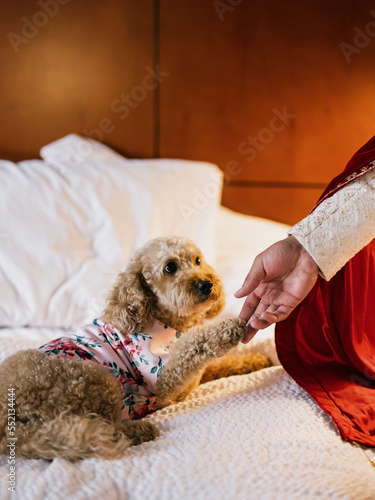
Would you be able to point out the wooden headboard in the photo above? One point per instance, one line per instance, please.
(278, 94)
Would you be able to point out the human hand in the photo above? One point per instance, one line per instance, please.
(279, 279)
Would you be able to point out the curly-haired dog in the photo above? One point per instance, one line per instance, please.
(72, 409)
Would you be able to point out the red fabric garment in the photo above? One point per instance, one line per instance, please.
(327, 344)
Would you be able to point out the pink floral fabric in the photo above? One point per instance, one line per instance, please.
(135, 360)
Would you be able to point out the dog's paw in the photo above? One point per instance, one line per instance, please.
(225, 335)
(234, 330)
(139, 431)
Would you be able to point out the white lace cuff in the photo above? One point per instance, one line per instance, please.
(340, 226)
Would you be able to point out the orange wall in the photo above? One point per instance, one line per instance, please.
(278, 94)
(264, 89)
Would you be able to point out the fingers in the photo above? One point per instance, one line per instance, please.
(252, 312)
(260, 314)
(267, 313)
(250, 334)
(255, 306)
(252, 280)
(265, 316)
(257, 323)
(249, 307)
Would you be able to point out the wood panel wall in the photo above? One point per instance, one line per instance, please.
(264, 89)
(83, 66)
(278, 94)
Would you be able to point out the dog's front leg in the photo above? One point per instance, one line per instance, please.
(193, 352)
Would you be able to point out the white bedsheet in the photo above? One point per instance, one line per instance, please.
(257, 436)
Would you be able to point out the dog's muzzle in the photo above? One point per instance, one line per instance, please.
(205, 287)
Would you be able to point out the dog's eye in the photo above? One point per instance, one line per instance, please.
(170, 268)
(198, 261)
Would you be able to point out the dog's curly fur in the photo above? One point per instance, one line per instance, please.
(70, 409)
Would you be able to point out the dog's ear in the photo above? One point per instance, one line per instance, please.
(130, 302)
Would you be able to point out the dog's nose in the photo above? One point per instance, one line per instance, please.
(205, 287)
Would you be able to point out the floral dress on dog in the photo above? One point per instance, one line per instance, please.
(134, 359)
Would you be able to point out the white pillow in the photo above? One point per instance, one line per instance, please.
(72, 221)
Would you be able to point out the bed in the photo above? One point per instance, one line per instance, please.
(69, 222)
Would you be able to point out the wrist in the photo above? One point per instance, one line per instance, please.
(308, 260)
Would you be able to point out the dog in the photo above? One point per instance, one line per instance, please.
(84, 395)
